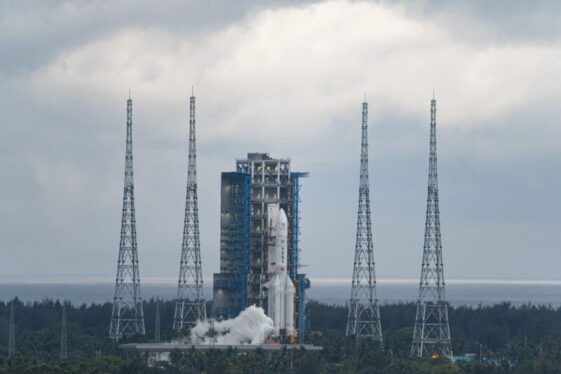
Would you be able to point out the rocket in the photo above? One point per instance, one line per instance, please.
(280, 287)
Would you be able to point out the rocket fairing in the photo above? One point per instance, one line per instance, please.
(280, 287)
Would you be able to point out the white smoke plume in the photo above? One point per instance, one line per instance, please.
(251, 326)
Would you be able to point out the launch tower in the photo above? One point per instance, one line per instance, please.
(431, 336)
(364, 315)
(259, 181)
(127, 317)
(190, 303)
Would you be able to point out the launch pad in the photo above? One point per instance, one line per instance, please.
(183, 347)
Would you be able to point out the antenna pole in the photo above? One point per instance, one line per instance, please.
(157, 323)
(431, 335)
(63, 337)
(127, 317)
(12, 332)
(190, 304)
(364, 315)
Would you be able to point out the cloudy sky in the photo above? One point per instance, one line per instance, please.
(288, 78)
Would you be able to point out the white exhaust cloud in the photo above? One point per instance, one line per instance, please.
(251, 326)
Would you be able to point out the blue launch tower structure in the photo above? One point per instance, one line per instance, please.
(258, 181)
(230, 285)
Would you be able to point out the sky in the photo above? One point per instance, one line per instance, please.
(286, 78)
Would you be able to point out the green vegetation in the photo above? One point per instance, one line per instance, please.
(523, 339)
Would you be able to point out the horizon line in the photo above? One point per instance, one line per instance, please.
(93, 280)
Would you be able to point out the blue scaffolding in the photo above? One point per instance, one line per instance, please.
(232, 284)
(244, 214)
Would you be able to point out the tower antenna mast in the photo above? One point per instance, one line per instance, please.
(431, 335)
(127, 317)
(190, 303)
(364, 315)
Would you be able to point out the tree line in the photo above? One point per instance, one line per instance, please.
(521, 339)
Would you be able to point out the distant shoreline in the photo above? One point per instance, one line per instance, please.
(331, 291)
(48, 280)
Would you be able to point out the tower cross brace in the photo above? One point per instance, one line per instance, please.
(431, 334)
(190, 303)
(127, 317)
(364, 315)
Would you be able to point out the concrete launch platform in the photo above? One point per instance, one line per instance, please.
(171, 347)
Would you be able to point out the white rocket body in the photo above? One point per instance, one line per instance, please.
(280, 287)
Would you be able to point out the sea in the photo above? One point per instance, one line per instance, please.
(469, 292)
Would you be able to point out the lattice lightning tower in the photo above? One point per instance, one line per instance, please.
(431, 336)
(364, 315)
(190, 304)
(127, 317)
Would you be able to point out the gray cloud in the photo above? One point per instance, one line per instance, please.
(287, 78)
(32, 33)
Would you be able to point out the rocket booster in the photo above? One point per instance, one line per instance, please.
(280, 287)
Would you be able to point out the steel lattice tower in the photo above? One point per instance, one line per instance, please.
(431, 336)
(12, 332)
(63, 345)
(127, 317)
(364, 315)
(190, 304)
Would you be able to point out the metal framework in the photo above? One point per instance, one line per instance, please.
(230, 285)
(364, 315)
(190, 303)
(269, 185)
(12, 332)
(241, 204)
(63, 340)
(431, 336)
(259, 180)
(300, 281)
(127, 317)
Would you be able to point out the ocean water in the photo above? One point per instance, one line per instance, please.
(333, 291)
